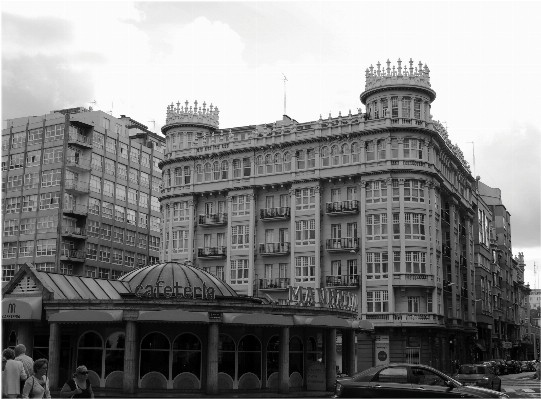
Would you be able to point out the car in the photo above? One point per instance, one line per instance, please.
(405, 380)
(480, 375)
(502, 366)
(525, 366)
(512, 366)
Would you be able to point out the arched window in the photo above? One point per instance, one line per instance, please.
(287, 161)
(114, 353)
(178, 176)
(335, 155)
(154, 355)
(208, 172)
(12, 343)
(199, 173)
(225, 170)
(314, 348)
(273, 355)
(187, 355)
(382, 146)
(90, 351)
(268, 163)
(325, 156)
(259, 163)
(355, 152)
(187, 175)
(278, 162)
(345, 154)
(296, 356)
(249, 356)
(216, 171)
(226, 355)
(370, 152)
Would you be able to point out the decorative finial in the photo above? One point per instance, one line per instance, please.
(411, 66)
(388, 67)
(379, 69)
(371, 70)
(366, 73)
(339, 114)
(195, 106)
(399, 67)
(186, 105)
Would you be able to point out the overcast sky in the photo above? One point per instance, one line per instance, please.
(136, 58)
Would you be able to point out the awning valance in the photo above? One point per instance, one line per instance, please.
(87, 316)
(257, 319)
(21, 308)
(361, 325)
(174, 315)
(321, 321)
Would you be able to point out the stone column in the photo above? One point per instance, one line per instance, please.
(318, 190)
(251, 258)
(191, 230)
(227, 268)
(170, 229)
(350, 354)
(212, 359)
(25, 336)
(390, 281)
(330, 358)
(362, 243)
(54, 354)
(292, 235)
(131, 361)
(283, 359)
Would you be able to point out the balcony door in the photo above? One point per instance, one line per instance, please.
(269, 202)
(352, 193)
(335, 195)
(207, 238)
(283, 235)
(209, 207)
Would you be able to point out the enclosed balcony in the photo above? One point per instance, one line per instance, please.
(344, 281)
(275, 248)
(75, 209)
(278, 283)
(76, 187)
(213, 219)
(445, 216)
(74, 232)
(270, 214)
(342, 207)
(74, 255)
(79, 139)
(78, 164)
(446, 251)
(413, 280)
(212, 253)
(342, 244)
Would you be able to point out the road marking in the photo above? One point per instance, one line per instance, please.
(528, 390)
(508, 390)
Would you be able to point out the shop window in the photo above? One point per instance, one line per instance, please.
(90, 351)
(296, 356)
(114, 353)
(249, 357)
(314, 348)
(187, 355)
(226, 355)
(273, 355)
(12, 340)
(154, 355)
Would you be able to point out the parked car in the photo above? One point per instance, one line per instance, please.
(525, 366)
(403, 380)
(479, 375)
(512, 366)
(494, 365)
(502, 366)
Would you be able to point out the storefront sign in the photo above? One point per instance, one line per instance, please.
(215, 316)
(382, 350)
(507, 345)
(21, 309)
(175, 291)
(323, 297)
(315, 377)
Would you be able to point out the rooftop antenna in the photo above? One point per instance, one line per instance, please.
(111, 112)
(153, 124)
(92, 102)
(473, 146)
(285, 80)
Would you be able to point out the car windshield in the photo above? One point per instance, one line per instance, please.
(472, 370)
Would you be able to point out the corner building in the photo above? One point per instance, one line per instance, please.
(376, 203)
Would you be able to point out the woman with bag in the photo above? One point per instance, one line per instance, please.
(79, 386)
(37, 386)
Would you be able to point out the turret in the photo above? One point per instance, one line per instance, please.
(191, 116)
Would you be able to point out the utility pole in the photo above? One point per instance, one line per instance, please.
(285, 80)
(153, 124)
(473, 146)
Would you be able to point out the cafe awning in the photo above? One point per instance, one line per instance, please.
(321, 321)
(174, 316)
(262, 319)
(21, 308)
(87, 316)
(361, 325)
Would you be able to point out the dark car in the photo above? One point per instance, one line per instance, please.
(481, 375)
(502, 366)
(403, 380)
(512, 366)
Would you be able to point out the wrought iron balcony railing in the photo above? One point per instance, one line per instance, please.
(275, 248)
(342, 281)
(74, 254)
(272, 283)
(342, 244)
(342, 207)
(212, 252)
(213, 219)
(282, 213)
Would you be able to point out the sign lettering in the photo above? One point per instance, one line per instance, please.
(175, 291)
(323, 297)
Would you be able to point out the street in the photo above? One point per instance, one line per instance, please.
(521, 385)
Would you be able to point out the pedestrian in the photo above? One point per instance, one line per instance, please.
(12, 375)
(537, 370)
(27, 361)
(37, 386)
(78, 386)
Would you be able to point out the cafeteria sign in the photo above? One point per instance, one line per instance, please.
(175, 291)
(322, 297)
(16, 310)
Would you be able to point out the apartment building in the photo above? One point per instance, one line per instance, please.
(377, 203)
(80, 194)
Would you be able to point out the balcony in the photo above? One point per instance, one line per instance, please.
(413, 280)
(342, 244)
(75, 232)
(77, 164)
(342, 207)
(351, 281)
(446, 251)
(76, 209)
(401, 319)
(275, 248)
(76, 187)
(212, 253)
(80, 140)
(447, 286)
(213, 219)
(74, 255)
(282, 213)
(280, 283)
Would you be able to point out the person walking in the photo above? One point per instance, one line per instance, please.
(27, 361)
(79, 386)
(12, 375)
(37, 386)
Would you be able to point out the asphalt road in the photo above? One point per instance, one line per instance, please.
(521, 385)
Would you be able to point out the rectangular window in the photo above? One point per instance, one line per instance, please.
(396, 261)
(94, 206)
(376, 191)
(413, 304)
(120, 213)
(154, 243)
(13, 205)
(240, 236)
(305, 198)
(154, 223)
(91, 271)
(110, 145)
(377, 265)
(50, 178)
(180, 211)
(16, 161)
(413, 149)
(123, 150)
(145, 160)
(9, 250)
(129, 259)
(49, 201)
(108, 188)
(55, 132)
(15, 182)
(110, 167)
(11, 227)
(370, 151)
(415, 262)
(133, 176)
(45, 247)
(414, 226)
(118, 235)
(413, 191)
(93, 228)
(35, 136)
(239, 271)
(305, 232)
(118, 256)
(28, 226)
(305, 269)
(142, 240)
(143, 200)
(47, 224)
(120, 192)
(52, 155)
(247, 167)
(106, 231)
(376, 227)
(122, 172)
(135, 154)
(180, 241)
(141, 259)
(142, 220)
(377, 301)
(240, 205)
(95, 184)
(396, 191)
(91, 251)
(31, 180)
(131, 217)
(26, 248)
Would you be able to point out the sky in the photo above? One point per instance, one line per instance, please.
(135, 58)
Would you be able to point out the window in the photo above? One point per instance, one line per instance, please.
(145, 160)
(120, 213)
(396, 226)
(325, 156)
(45, 247)
(376, 191)
(17, 140)
(144, 180)
(93, 228)
(108, 188)
(49, 200)
(154, 243)
(415, 262)
(97, 140)
(180, 241)
(188, 174)
(118, 235)
(154, 203)
(13, 205)
(236, 168)
(120, 192)
(129, 259)
(118, 256)
(413, 191)
(377, 301)
(415, 226)
(216, 171)
(335, 155)
(31, 180)
(11, 227)
(382, 147)
(417, 109)
(377, 265)
(9, 250)
(306, 198)
(135, 154)
(35, 136)
(91, 270)
(345, 154)
(180, 211)
(406, 107)
(141, 259)
(110, 145)
(26, 248)
(8, 271)
(95, 184)
(240, 236)
(305, 233)
(16, 161)
(123, 150)
(66, 269)
(133, 175)
(94, 206)
(241, 205)
(355, 152)
(122, 171)
(370, 151)
(30, 203)
(376, 227)
(55, 132)
(301, 161)
(110, 167)
(106, 231)
(131, 217)
(394, 148)
(247, 167)
(208, 172)
(143, 200)
(143, 220)
(27, 226)
(413, 149)
(239, 271)
(15, 182)
(47, 224)
(305, 269)
(91, 251)
(154, 223)
(156, 160)
(50, 178)
(52, 155)
(142, 240)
